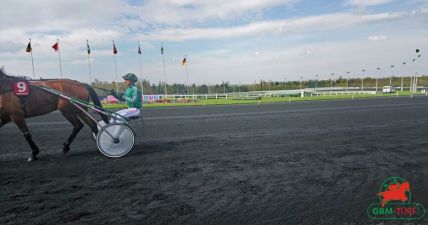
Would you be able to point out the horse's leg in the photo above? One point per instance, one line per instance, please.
(22, 125)
(77, 126)
(3, 121)
(89, 121)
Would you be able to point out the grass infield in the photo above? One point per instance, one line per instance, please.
(204, 102)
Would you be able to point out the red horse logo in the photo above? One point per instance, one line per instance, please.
(395, 192)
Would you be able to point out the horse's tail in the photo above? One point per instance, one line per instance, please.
(97, 102)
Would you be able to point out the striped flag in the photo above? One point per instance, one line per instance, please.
(88, 48)
(162, 48)
(28, 49)
(184, 62)
(114, 49)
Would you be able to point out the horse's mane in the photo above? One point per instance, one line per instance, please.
(4, 76)
(2, 72)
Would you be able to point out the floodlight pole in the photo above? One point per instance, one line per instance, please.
(239, 87)
(347, 80)
(316, 82)
(412, 80)
(285, 84)
(402, 79)
(378, 69)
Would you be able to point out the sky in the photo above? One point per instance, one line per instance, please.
(236, 41)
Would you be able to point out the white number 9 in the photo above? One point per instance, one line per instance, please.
(22, 86)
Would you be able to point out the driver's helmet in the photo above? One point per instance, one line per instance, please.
(131, 77)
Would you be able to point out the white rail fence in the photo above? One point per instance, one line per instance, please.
(259, 94)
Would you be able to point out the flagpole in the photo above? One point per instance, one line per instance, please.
(89, 63)
(164, 74)
(32, 61)
(59, 57)
(115, 69)
(141, 70)
(187, 73)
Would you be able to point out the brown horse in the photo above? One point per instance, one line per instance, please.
(40, 102)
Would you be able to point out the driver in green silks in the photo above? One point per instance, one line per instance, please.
(132, 97)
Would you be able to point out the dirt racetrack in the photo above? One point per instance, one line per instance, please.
(290, 163)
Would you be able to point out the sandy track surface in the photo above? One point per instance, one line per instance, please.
(289, 163)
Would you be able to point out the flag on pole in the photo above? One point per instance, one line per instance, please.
(114, 49)
(184, 61)
(139, 50)
(87, 47)
(28, 49)
(55, 46)
(162, 48)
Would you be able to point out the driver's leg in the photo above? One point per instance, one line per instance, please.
(122, 112)
(131, 112)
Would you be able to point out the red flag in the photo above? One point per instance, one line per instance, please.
(114, 49)
(55, 46)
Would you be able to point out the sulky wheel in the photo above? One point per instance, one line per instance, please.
(115, 140)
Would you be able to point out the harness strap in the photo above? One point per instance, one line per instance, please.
(23, 100)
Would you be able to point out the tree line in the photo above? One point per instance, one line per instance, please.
(261, 85)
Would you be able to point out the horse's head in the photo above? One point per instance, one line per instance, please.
(405, 186)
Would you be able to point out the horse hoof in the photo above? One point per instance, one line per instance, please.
(32, 158)
(65, 149)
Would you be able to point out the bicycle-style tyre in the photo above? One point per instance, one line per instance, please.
(115, 140)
